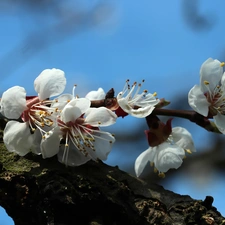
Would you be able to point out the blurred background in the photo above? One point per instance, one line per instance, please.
(103, 43)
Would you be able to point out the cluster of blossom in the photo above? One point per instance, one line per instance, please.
(69, 126)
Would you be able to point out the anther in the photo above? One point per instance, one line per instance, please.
(161, 175)
(222, 64)
(206, 82)
(155, 94)
(188, 151)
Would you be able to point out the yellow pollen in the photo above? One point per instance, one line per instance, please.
(66, 145)
(222, 64)
(155, 170)
(206, 82)
(68, 100)
(99, 122)
(154, 94)
(151, 163)
(188, 151)
(43, 137)
(161, 175)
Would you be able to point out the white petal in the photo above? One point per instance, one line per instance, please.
(183, 138)
(74, 109)
(212, 72)
(18, 139)
(103, 145)
(100, 117)
(71, 156)
(50, 144)
(13, 102)
(142, 159)
(139, 113)
(49, 83)
(96, 95)
(223, 80)
(149, 99)
(168, 157)
(220, 122)
(61, 101)
(198, 101)
(36, 140)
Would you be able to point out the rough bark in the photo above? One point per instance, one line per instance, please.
(40, 192)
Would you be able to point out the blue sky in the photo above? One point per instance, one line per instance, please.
(150, 41)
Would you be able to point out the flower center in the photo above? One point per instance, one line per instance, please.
(38, 113)
(79, 134)
(217, 101)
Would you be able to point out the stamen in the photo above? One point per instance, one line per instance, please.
(206, 82)
(222, 64)
(188, 151)
(73, 92)
(162, 175)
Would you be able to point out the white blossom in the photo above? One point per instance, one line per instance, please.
(134, 103)
(208, 98)
(22, 137)
(78, 127)
(167, 155)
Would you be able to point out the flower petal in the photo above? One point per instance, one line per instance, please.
(139, 113)
(49, 83)
(103, 144)
(50, 143)
(212, 72)
(13, 102)
(198, 101)
(61, 101)
(74, 109)
(168, 157)
(96, 95)
(220, 122)
(183, 139)
(100, 117)
(149, 99)
(18, 139)
(142, 159)
(71, 156)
